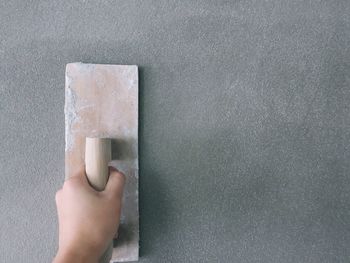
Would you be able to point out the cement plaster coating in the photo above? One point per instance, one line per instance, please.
(244, 124)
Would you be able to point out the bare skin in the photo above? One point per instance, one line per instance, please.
(88, 219)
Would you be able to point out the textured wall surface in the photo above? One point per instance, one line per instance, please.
(244, 128)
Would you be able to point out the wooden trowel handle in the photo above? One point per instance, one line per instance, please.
(98, 153)
(97, 156)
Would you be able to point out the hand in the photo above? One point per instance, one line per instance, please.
(88, 219)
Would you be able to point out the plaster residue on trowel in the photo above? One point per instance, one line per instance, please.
(70, 113)
(85, 67)
(104, 78)
(71, 110)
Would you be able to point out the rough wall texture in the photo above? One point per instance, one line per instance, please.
(244, 124)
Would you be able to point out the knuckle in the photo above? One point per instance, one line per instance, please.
(71, 183)
(119, 176)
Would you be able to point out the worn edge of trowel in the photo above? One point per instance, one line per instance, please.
(72, 116)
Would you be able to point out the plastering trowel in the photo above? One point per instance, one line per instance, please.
(101, 119)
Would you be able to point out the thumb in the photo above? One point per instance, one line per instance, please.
(115, 184)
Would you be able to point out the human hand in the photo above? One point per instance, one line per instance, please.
(88, 219)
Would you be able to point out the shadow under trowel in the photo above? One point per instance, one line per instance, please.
(125, 234)
(124, 149)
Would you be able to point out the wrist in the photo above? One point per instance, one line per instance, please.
(73, 256)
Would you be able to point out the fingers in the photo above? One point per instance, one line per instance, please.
(115, 184)
(114, 187)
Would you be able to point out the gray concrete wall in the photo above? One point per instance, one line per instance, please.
(245, 120)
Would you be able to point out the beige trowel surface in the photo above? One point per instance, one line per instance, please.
(102, 101)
